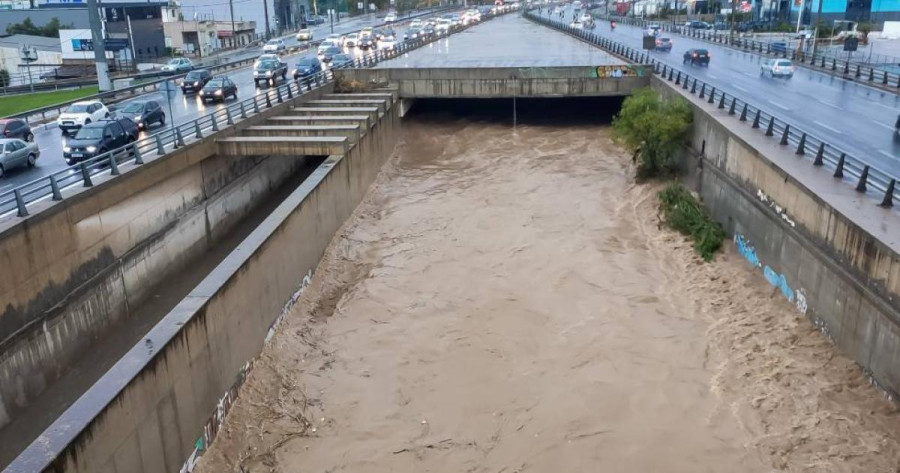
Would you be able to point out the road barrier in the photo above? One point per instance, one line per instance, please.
(845, 166)
(822, 61)
(53, 186)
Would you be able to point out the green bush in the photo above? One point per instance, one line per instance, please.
(682, 212)
(653, 129)
(4, 78)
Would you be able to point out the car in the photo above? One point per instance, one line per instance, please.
(412, 33)
(367, 31)
(307, 66)
(15, 153)
(81, 113)
(16, 128)
(390, 17)
(664, 44)
(342, 60)
(178, 65)
(219, 88)
(305, 35)
(266, 57)
(778, 47)
(388, 34)
(428, 31)
(443, 26)
(352, 40)
(696, 56)
(336, 39)
(315, 20)
(699, 25)
(805, 34)
(367, 41)
(653, 29)
(416, 24)
(777, 68)
(269, 70)
(324, 46)
(330, 53)
(586, 18)
(195, 80)
(387, 43)
(720, 25)
(274, 46)
(143, 113)
(97, 138)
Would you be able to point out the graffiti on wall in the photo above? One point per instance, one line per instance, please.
(217, 419)
(779, 210)
(776, 279)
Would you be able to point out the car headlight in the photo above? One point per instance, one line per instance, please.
(218, 92)
(197, 84)
(268, 73)
(137, 120)
(91, 149)
(67, 149)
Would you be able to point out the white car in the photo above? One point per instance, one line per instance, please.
(777, 68)
(178, 65)
(323, 46)
(443, 26)
(390, 18)
(305, 35)
(586, 18)
(336, 39)
(386, 43)
(274, 46)
(352, 40)
(81, 113)
(415, 24)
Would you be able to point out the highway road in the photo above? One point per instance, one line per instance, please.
(856, 117)
(184, 107)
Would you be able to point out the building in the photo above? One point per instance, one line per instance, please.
(201, 38)
(48, 56)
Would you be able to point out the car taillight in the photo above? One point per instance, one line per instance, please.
(695, 55)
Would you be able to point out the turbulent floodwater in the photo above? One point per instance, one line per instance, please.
(506, 301)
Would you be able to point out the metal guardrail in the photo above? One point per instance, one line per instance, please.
(52, 186)
(844, 165)
(820, 60)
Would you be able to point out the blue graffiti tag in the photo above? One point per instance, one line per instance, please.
(779, 281)
(746, 250)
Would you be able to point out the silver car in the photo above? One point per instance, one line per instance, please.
(15, 153)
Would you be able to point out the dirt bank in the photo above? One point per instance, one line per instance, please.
(506, 302)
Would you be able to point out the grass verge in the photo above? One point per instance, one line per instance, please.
(14, 104)
(682, 212)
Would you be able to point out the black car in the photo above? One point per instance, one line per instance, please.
(428, 31)
(330, 53)
(315, 20)
(366, 42)
(412, 33)
(269, 70)
(195, 80)
(99, 137)
(143, 113)
(218, 88)
(696, 56)
(16, 128)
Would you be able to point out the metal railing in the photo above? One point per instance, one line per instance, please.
(821, 60)
(53, 186)
(844, 165)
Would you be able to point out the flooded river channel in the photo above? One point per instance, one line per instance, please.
(505, 300)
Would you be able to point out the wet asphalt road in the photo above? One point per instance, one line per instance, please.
(183, 107)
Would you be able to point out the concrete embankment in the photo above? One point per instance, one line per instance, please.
(77, 267)
(159, 407)
(831, 251)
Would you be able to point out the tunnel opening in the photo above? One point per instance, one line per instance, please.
(31, 420)
(543, 111)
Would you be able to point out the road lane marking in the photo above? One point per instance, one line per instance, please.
(739, 88)
(892, 156)
(883, 125)
(749, 74)
(830, 105)
(827, 127)
(778, 105)
(712, 77)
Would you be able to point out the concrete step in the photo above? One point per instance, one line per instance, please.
(347, 131)
(382, 104)
(313, 120)
(388, 95)
(372, 112)
(283, 145)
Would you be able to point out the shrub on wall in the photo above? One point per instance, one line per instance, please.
(653, 129)
(682, 212)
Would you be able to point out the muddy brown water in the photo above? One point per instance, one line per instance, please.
(504, 300)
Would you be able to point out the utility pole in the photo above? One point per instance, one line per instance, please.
(266, 12)
(816, 30)
(233, 31)
(734, 4)
(131, 42)
(99, 47)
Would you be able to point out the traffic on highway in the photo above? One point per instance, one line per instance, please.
(863, 119)
(82, 132)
